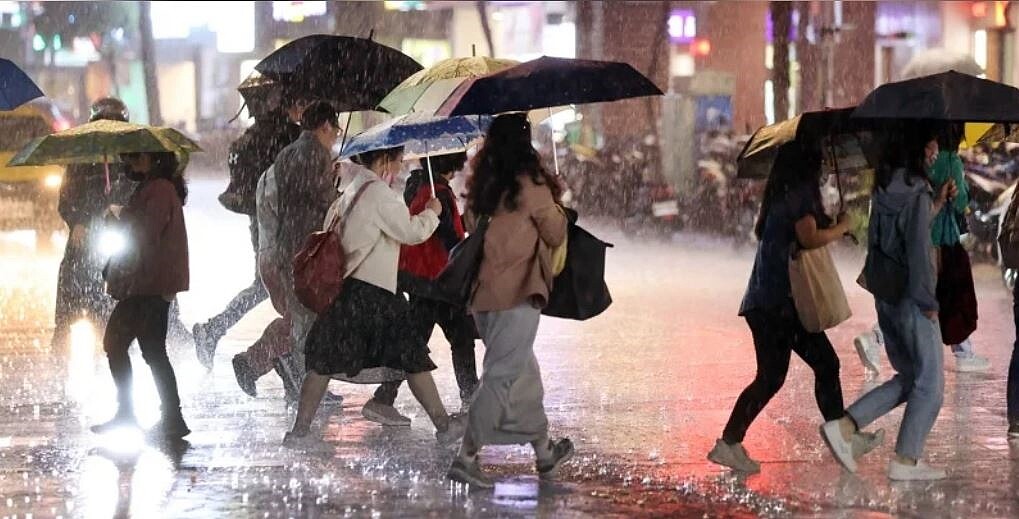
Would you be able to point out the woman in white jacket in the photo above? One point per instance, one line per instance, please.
(365, 327)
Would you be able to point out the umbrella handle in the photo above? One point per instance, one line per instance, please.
(835, 165)
(555, 149)
(431, 177)
(106, 169)
(346, 128)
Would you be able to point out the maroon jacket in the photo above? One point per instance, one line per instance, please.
(155, 262)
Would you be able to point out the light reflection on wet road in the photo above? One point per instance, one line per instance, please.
(643, 390)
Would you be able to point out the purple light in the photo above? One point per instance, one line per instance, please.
(682, 26)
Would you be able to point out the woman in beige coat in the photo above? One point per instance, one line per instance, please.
(511, 187)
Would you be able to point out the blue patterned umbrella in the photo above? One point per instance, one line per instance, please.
(16, 88)
(420, 135)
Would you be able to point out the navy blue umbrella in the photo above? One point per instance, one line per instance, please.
(420, 135)
(16, 88)
(548, 82)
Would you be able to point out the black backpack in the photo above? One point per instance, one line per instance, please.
(249, 156)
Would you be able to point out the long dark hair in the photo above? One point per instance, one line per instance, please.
(505, 156)
(901, 146)
(797, 165)
(166, 165)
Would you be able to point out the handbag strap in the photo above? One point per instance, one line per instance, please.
(342, 220)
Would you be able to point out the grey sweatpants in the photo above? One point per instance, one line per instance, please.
(913, 344)
(509, 407)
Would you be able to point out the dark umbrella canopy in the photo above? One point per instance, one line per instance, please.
(352, 73)
(547, 82)
(949, 96)
(16, 88)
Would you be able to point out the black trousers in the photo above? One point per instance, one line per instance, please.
(459, 330)
(143, 318)
(777, 334)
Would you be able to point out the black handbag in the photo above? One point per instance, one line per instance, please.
(455, 284)
(579, 291)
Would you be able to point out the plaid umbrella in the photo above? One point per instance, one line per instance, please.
(427, 89)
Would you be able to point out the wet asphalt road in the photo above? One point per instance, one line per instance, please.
(643, 390)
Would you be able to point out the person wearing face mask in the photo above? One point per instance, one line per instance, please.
(304, 191)
(791, 215)
(144, 279)
(365, 328)
(85, 195)
(955, 289)
(419, 265)
(900, 273)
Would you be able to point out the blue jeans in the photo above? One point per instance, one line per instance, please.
(1013, 367)
(913, 344)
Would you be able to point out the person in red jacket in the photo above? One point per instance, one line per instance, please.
(419, 265)
(144, 279)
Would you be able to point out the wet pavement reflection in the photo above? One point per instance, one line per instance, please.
(643, 391)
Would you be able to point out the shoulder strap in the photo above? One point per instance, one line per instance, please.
(342, 220)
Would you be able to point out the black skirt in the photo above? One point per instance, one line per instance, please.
(366, 328)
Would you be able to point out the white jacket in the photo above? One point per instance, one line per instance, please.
(375, 229)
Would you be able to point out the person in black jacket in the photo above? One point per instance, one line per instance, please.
(85, 197)
(250, 155)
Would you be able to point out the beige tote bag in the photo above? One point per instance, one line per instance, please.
(817, 290)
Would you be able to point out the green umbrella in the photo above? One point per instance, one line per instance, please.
(101, 142)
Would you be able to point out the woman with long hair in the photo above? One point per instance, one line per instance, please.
(791, 217)
(901, 275)
(145, 279)
(365, 330)
(520, 198)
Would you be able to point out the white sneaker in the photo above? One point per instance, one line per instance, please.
(733, 456)
(384, 414)
(972, 364)
(840, 448)
(919, 472)
(869, 350)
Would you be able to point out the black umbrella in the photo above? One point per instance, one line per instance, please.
(352, 73)
(949, 96)
(547, 82)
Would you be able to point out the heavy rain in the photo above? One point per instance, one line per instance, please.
(508, 259)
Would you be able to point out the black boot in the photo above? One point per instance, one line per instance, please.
(171, 426)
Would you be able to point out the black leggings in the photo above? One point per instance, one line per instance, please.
(143, 318)
(778, 333)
